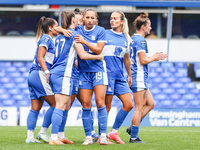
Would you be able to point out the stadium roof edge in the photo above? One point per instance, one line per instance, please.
(140, 3)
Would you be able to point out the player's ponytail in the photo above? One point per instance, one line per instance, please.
(141, 20)
(39, 29)
(125, 28)
(43, 26)
(66, 18)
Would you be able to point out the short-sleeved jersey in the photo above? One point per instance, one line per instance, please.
(139, 72)
(48, 43)
(114, 51)
(64, 55)
(95, 35)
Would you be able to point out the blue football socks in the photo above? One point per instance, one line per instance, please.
(32, 119)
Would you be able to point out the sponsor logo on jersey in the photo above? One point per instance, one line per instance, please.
(93, 37)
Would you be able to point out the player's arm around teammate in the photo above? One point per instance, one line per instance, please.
(142, 96)
(60, 76)
(38, 85)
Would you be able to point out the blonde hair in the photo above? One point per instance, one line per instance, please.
(125, 28)
(43, 26)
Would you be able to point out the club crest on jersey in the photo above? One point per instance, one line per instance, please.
(142, 44)
(93, 37)
(46, 40)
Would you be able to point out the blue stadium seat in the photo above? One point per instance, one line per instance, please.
(25, 91)
(157, 80)
(171, 80)
(159, 70)
(23, 69)
(18, 64)
(157, 103)
(24, 103)
(168, 91)
(177, 85)
(18, 97)
(2, 91)
(13, 91)
(175, 97)
(151, 85)
(2, 74)
(179, 75)
(181, 91)
(45, 103)
(182, 67)
(193, 91)
(4, 80)
(14, 74)
(155, 91)
(154, 64)
(166, 103)
(181, 103)
(4, 96)
(5, 64)
(7, 102)
(191, 85)
(194, 103)
(19, 80)
(197, 69)
(10, 69)
(163, 85)
(22, 86)
(25, 74)
(167, 64)
(184, 80)
(28, 64)
(8, 85)
(152, 75)
(160, 97)
(189, 97)
(172, 69)
(166, 74)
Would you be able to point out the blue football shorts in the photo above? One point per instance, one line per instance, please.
(38, 86)
(117, 87)
(88, 80)
(61, 84)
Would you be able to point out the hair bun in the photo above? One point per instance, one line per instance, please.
(144, 15)
(77, 10)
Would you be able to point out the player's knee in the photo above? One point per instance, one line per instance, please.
(100, 103)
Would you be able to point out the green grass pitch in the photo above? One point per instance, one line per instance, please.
(161, 138)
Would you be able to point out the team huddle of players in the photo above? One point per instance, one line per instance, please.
(86, 58)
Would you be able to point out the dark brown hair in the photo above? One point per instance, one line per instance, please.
(141, 20)
(43, 26)
(77, 11)
(66, 18)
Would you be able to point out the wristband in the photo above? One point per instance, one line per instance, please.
(46, 71)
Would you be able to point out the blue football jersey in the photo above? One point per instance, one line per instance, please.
(114, 51)
(47, 42)
(75, 72)
(139, 72)
(94, 36)
(64, 55)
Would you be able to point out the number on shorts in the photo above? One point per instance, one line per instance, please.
(99, 75)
